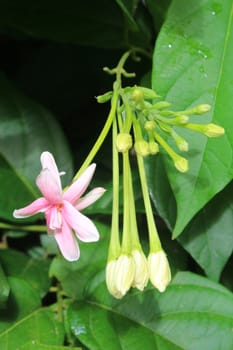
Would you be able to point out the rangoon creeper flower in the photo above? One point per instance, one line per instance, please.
(159, 270)
(62, 209)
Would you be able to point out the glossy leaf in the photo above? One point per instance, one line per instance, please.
(4, 288)
(75, 276)
(23, 300)
(38, 326)
(192, 66)
(194, 313)
(26, 130)
(208, 238)
(54, 21)
(37, 346)
(34, 271)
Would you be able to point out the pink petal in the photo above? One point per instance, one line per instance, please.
(79, 186)
(90, 198)
(53, 218)
(50, 186)
(67, 243)
(48, 162)
(83, 227)
(40, 205)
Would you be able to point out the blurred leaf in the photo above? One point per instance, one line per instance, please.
(35, 272)
(158, 10)
(68, 23)
(38, 326)
(75, 276)
(4, 288)
(208, 238)
(194, 313)
(128, 7)
(26, 130)
(37, 346)
(192, 66)
(23, 299)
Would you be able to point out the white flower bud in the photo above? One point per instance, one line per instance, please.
(159, 270)
(141, 270)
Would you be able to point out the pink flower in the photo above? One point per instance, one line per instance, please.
(62, 208)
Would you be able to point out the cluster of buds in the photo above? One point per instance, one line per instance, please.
(141, 124)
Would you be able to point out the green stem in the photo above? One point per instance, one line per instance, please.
(32, 228)
(155, 244)
(126, 236)
(114, 246)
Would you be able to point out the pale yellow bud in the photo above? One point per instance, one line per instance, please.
(141, 270)
(123, 142)
(202, 108)
(138, 95)
(124, 274)
(213, 130)
(149, 125)
(142, 148)
(153, 147)
(159, 270)
(111, 278)
(181, 164)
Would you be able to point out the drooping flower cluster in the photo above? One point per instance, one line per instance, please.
(62, 208)
(143, 125)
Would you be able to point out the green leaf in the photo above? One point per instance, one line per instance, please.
(194, 313)
(78, 22)
(37, 346)
(193, 66)
(22, 300)
(4, 288)
(208, 238)
(75, 276)
(34, 271)
(26, 130)
(38, 326)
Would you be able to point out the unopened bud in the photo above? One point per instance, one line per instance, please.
(213, 130)
(141, 270)
(161, 105)
(181, 164)
(153, 147)
(202, 108)
(159, 270)
(149, 94)
(123, 142)
(149, 125)
(138, 95)
(124, 274)
(105, 97)
(142, 148)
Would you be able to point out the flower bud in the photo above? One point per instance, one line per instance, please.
(149, 125)
(161, 105)
(202, 108)
(111, 278)
(142, 148)
(153, 147)
(181, 164)
(138, 95)
(124, 274)
(123, 142)
(105, 97)
(149, 93)
(159, 270)
(213, 130)
(141, 270)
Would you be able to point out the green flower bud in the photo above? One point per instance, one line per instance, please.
(161, 105)
(141, 270)
(149, 94)
(123, 142)
(213, 130)
(105, 97)
(142, 148)
(159, 270)
(153, 147)
(202, 108)
(138, 95)
(181, 164)
(149, 125)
